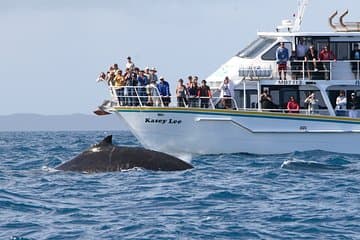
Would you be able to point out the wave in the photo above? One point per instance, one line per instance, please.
(301, 165)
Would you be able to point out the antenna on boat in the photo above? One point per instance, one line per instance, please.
(288, 24)
(300, 15)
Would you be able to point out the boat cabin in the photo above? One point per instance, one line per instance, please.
(254, 70)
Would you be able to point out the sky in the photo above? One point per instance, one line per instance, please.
(52, 51)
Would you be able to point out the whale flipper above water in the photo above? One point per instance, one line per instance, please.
(106, 157)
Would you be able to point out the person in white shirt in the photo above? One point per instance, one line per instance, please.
(341, 103)
(312, 102)
(226, 92)
(130, 65)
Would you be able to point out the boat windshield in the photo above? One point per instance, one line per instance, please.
(256, 47)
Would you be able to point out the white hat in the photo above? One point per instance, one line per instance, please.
(161, 77)
(153, 69)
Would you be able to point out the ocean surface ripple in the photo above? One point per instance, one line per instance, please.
(300, 195)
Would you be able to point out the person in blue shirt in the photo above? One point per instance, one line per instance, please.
(142, 82)
(164, 91)
(282, 56)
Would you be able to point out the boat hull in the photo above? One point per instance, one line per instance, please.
(200, 131)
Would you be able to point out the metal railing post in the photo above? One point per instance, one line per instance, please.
(244, 92)
(137, 95)
(303, 70)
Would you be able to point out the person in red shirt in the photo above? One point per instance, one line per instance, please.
(326, 55)
(292, 105)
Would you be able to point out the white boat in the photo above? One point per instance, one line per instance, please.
(247, 127)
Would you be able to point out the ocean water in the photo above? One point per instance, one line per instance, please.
(300, 195)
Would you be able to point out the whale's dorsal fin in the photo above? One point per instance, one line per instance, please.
(106, 141)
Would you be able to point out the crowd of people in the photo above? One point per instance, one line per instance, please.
(343, 107)
(143, 87)
(137, 86)
(317, 65)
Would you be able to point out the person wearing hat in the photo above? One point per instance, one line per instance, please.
(353, 105)
(151, 88)
(204, 94)
(164, 90)
(152, 75)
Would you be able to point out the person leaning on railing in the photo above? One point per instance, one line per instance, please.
(142, 82)
(204, 93)
(131, 82)
(193, 91)
(341, 103)
(226, 92)
(119, 83)
(311, 58)
(354, 105)
(151, 88)
(266, 101)
(292, 106)
(101, 77)
(164, 90)
(326, 55)
(181, 94)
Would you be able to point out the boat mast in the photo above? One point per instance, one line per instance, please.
(300, 15)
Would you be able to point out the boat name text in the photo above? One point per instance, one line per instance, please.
(288, 82)
(162, 121)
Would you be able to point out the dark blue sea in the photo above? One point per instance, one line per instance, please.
(300, 195)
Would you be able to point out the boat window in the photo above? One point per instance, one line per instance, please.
(271, 54)
(256, 47)
(342, 51)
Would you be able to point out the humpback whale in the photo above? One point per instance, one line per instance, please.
(106, 157)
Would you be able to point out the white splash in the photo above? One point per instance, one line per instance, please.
(49, 169)
(95, 149)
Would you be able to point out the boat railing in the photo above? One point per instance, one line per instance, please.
(305, 111)
(149, 96)
(323, 70)
(306, 70)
